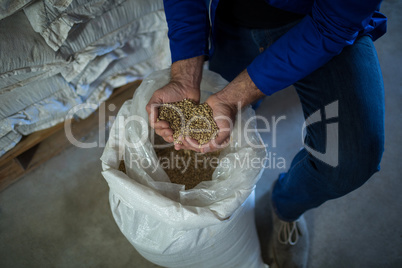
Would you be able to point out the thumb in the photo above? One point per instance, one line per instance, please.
(152, 110)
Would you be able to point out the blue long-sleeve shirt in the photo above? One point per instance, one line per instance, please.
(327, 28)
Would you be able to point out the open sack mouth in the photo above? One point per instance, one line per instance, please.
(181, 207)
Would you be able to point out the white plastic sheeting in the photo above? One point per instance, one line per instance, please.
(24, 54)
(38, 105)
(53, 23)
(9, 140)
(48, 112)
(9, 7)
(19, 98)
(211, 225)
(90, 43)
(110, 43)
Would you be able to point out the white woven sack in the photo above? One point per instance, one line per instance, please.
(211, 225)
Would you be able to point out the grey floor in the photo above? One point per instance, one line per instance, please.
(58, 216)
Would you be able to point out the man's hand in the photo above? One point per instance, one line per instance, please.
(184, 84)
(224, 115)
(172, 92)
(225, 104)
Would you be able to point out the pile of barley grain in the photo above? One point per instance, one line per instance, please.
(197, 168)
(186, 118)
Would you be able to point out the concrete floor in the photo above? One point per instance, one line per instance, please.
(59, 216)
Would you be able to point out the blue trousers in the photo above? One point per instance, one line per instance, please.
(343, 103)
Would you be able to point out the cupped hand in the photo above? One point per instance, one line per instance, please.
(174, 91)
(224, 115)
(225, 104)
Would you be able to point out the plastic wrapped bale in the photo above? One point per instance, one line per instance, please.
(211, 225)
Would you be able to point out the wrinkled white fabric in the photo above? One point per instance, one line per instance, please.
(91, 43)
(54, 23)
(9, 7)
(211, 225)
(37, 115)
(133, 64)
(8, 141)
(117, 23)
(20, 98)
(48, 112)
(118, 43)
(24, 52)
(149, 50)
(61, 5)
(22, 78)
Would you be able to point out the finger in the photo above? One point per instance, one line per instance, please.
(152, 117)
(178, 146)
(213, 146)
(181, 144)
(191, 144)
(169, 139)
(163, 129)
(206, 148)
(165, 132)
(161, 124)
(184, 145)
(167, 135)
(152, 110)
(159, 131)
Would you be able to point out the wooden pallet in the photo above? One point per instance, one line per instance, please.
(35, 149)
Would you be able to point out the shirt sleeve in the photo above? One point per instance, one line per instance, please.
(321, 35)
(189, 26)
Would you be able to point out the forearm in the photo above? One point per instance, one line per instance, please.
(240, 92)
(188, 72)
